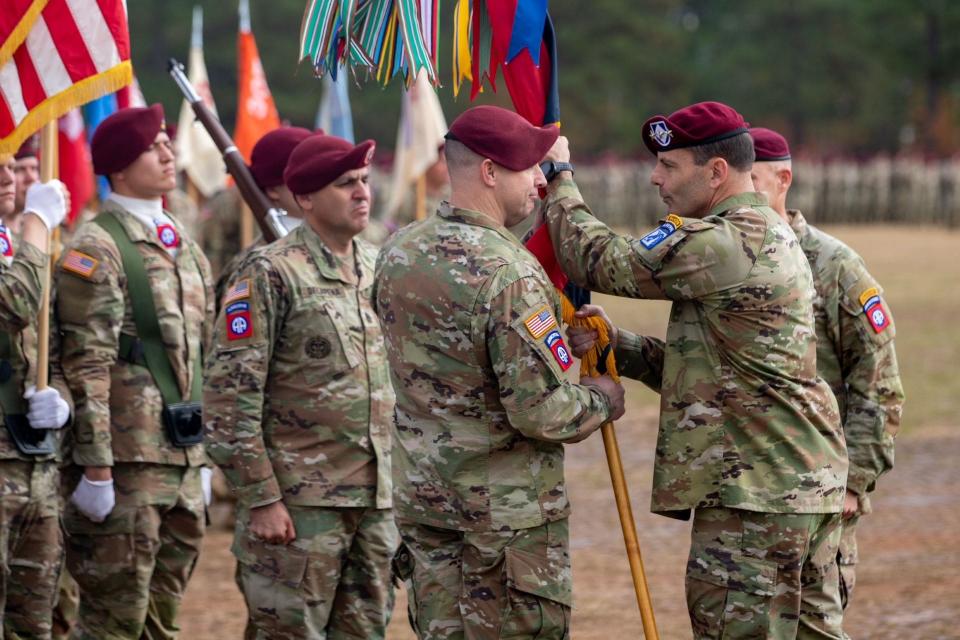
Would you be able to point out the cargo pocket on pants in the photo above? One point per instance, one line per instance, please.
(402, 569)
(272, 576)
(101, 556)
(539, 597)
(731, 597)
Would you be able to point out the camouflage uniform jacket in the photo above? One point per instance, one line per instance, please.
(21, 285)
(745, 422)
(298, 404)
(483, 406)
(855, 353)
(119, 407)
(228, 273)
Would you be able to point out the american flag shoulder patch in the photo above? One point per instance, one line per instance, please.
(540, 322)
(80, 263)
(238, 291)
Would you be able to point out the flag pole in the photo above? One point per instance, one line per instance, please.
(48, 172)
(621, 496)
(421, 206)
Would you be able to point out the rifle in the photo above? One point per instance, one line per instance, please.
(266, 215)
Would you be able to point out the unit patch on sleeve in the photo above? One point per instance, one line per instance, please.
(80, 263)
(666, 229)
(873, 308)
(540, 322)
(239, 321)
(554, 342)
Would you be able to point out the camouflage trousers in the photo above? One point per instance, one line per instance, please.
(847, 559)
(68, 605)
(31, 547)
(764, 575)
(133, 568)
(480, 586)
(333, 581)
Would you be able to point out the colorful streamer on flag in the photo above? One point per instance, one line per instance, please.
(386, 38)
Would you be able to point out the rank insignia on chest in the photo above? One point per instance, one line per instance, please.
(877, 316)
(239, 322)
(238, 291)
(554, 342)
(6, 245)
(666, 229)
(540, 322)
(80, 263)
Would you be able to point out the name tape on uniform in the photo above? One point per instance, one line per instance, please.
(80, 263)
(873, 309)
(554, 342)
(666, 229)
(239, 321)
(540, 322)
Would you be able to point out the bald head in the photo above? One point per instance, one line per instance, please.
(773, 179)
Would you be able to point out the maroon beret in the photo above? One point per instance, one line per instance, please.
(269, 156)
(30, 148)
(503, 136)
(692, 126)
(122, 137)
(320, 159)
(769, 145)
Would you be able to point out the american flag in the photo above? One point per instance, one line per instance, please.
(75, 51)
(540, 322)
(80, 263)
(237, 291)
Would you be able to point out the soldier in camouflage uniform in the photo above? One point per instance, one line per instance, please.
(299, 411)
(267, 162)
(136, 518)
(855, 352)
(483, 405)
(750, 437)
(31, 543)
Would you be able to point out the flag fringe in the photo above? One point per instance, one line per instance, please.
(78, 94)
(19, 33)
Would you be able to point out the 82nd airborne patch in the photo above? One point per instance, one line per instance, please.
(239, 322)
(873, 308)
(666, 229)
(554, 342)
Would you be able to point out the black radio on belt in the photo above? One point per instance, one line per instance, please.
(184, 423)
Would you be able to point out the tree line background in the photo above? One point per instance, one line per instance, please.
(841, 78)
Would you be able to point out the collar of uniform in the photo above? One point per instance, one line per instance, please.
(797, 222)
(475, 218)
(137, 230)
(327, 262)
(748, 199)
(143, 209)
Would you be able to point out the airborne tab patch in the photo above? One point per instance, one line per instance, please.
(239, 322)
(80, 263)
(666, 229)
(873, 308)
(540, 322)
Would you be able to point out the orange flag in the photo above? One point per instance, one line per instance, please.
(256, 112)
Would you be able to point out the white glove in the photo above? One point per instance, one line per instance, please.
(206, 479)
(46, 200)
(94, 498)
(47, 409)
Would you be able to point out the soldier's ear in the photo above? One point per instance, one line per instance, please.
(719, 171)
(785, 178)
(488, 172)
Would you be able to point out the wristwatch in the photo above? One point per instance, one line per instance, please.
(552, 169)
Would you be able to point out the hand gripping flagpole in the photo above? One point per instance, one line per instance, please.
(48, 172)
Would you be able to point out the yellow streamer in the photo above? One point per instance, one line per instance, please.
(590, 360)
(462, 61)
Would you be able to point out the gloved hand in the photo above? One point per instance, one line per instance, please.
(47, 409)
(48, 201)
(94, 498)
(206, 479)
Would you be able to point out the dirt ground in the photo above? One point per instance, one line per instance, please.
(909, 577)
